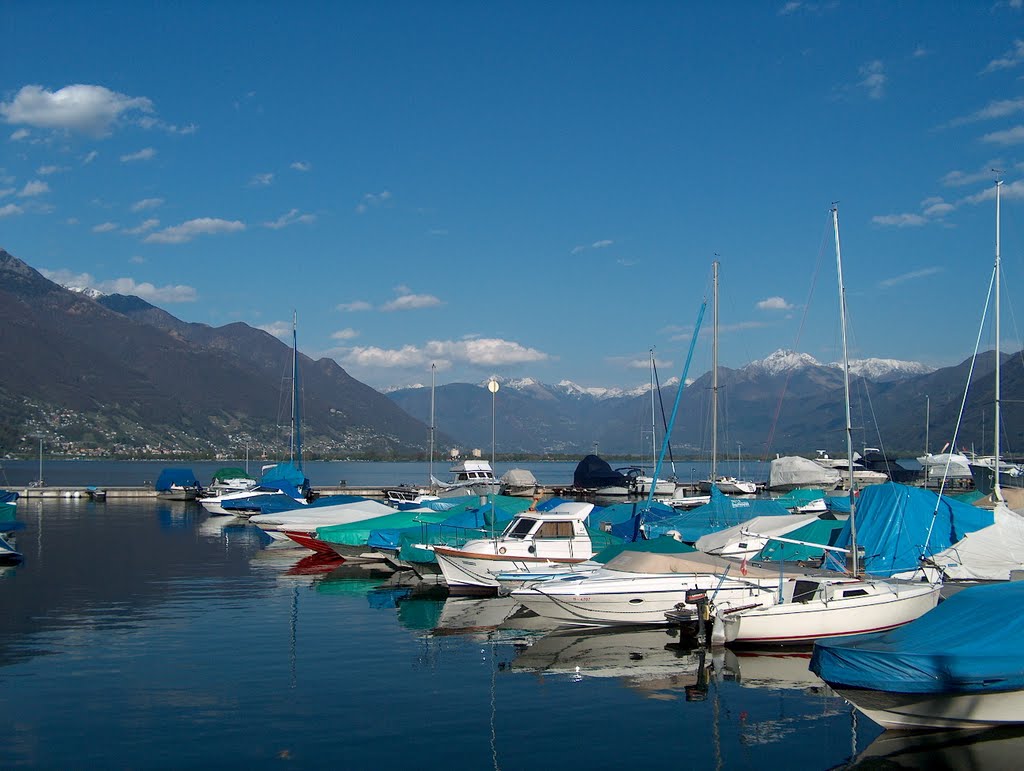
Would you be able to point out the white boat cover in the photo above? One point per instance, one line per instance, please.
(792, 471)
(936, 465)
(518, 477)
(988, 554)
(765, 526)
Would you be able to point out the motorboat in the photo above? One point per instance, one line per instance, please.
(531, 538)
(794, 472)
(407, 496)
(472, 476)
(519, 483)
(814, 607)
(960, 665)
(324, 512)
(641, 587)
(862, 476)
(177, 484)
(281, 485)
(729, 485)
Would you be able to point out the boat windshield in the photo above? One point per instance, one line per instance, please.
(520, 528)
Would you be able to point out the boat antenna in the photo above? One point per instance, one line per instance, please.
(846, 388)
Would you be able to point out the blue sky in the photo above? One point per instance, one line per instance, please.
(524, 189)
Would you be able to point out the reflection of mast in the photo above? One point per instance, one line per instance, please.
(433, 377)
(294, 625)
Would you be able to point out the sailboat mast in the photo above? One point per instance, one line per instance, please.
(997, 492)
(654, 432)
(714, 381)
(433, 379)
(295, 450)
(846, 390)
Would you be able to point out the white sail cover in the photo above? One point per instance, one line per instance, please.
(791, 471)
(713, 543)
(989, 554)
(518, 477)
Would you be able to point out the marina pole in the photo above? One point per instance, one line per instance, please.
(493, 387)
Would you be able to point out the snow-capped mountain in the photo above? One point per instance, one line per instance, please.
(780, 361)
(88, 291)
(883, 370)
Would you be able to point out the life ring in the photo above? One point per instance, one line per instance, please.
(502, 550)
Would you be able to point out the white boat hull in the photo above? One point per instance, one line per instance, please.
(468, 572)
(802, 622)
(909, 711)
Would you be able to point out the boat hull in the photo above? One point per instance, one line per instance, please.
(468, 572)
(909, 711)
(798, 622)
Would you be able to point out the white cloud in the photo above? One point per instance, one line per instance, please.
(900, 220)
(602, 243)
(6, 191)
(991, 111)
(344, 334)
(45, 170)
(774, 304)
(147, 203)
(137, 259)
(1013, 136)
(104, 227)
(33, 188)
(484, 352)
(10, 210)
(1011, 191)
(1010, 59)
(89, 157)
(279, 329)
(911, 276)
(147, 291)
(186, 231)
(172, 293)
(301, 166)
(373, 199)
(873, 78)
(577, 249)
(143, 227)
(144, 154)
(84, 108)
(20, 134)
(791, 7)
(409, 301)
(938, 209)
(920, 51)
(148, 122)
(261, 180)
(291, 218)
(355, 306)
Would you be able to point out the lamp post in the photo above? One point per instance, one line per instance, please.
(493, 387)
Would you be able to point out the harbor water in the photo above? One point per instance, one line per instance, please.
(145, 634)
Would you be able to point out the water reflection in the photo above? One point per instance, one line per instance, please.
(993, 748)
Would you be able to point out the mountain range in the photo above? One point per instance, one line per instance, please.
(113, 374)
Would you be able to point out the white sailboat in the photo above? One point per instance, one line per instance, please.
(728, 485)
(809, 607)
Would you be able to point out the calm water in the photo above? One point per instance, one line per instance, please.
(145, 635)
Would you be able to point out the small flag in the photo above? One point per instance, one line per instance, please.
(743, 567)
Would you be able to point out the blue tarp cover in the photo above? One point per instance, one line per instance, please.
(720, 512)
(284, 472)
(893, 522)
(175, 476)
(971, 643)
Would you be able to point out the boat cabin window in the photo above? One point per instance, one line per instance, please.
(521, 527)
(803, 591)
(555, 530)
(854, 592)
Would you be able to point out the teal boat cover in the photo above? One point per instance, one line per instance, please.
(897, 525)
(971, 643)
(230, 472)
(820, 531)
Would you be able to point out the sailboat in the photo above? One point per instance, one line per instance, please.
(809, 607)
(282, 479)
(728, 485)
(643, 482)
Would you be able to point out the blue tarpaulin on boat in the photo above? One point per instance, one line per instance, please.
(284, 472)
(894, 521)
(720, 512)
(175, 476)
(971, 643)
